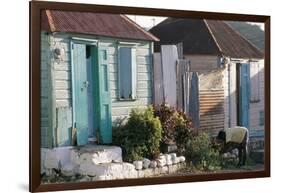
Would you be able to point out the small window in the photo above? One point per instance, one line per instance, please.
(255, 82)
(261, 118)
(127, 73)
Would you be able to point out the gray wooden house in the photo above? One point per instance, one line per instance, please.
(94, 69)
(231, 72)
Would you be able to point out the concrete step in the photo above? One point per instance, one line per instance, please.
(106, 171)
(96, 154)
(64, 157)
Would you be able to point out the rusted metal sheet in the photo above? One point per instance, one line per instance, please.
(212, 110)
(110, 25)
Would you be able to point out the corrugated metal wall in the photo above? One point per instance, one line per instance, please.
(211, 110)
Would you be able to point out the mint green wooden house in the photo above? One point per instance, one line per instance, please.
(94, 69)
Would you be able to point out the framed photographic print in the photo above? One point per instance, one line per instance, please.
(123, 96)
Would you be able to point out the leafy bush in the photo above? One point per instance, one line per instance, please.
(140, 136)
(176, 126)
(201, 152)
(167, 117)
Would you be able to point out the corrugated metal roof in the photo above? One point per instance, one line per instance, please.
(201, 36)
(110, 25)
(231, 42)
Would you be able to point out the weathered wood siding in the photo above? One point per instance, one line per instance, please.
(255, 119)
(62, 74)
(46, 130)
(203, 63)
(158, 94)
(169, 56)
(144, 81)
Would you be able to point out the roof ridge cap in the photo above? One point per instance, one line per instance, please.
(212, 35)
(50, 20)
(139, 27)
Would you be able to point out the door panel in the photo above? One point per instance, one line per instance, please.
(244, 89)
(80, 85)
(105, 100)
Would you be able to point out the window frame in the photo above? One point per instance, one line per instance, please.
(131, 45)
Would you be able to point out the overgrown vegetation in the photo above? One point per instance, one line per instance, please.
(140, 136)
(202, 153)
(176, 126)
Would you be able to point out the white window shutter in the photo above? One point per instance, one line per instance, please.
(254, 75)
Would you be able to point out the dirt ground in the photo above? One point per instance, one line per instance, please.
(234, 169)
(188, 171)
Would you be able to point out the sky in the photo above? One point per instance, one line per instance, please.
(150, 21)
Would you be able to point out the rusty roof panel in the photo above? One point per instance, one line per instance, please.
(110, 25)
(231, 42)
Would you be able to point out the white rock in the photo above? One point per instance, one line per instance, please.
(100, 154)
(138, 165)
(51, 160)
(129, 170)
(168, 159)
(148, 172)
(145, 163)
(74, 156)
(161, 161)
(182, 159)
(177, 160)
(153, 164)
(173, 156)
(100, 178)
(49, 172)
(93, 170)
(42, 164)
(69, 169)
(109, 171)
(164, 170)
(57, 157)
(85, 179)
(172, 168)
(114, 154)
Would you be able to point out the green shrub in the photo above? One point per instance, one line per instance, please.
(201, 152)
(176, 126)
(140, 136)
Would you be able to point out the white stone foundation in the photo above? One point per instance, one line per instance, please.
(105, 163)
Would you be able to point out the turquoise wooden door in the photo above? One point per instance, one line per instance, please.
(244, 89)
(79, 86)
(105, 100)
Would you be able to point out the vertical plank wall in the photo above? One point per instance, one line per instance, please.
(46, 131)
(257, 107)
